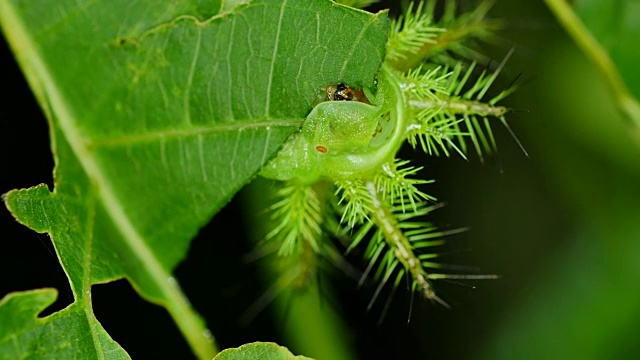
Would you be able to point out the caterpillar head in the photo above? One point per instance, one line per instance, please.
(343, 92)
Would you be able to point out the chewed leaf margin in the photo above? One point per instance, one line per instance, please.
(24, 335)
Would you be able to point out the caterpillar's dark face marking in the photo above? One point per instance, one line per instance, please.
(342, 92)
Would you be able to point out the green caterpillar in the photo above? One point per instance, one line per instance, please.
(339, 172)
(343, 139)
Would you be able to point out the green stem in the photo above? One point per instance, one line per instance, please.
(590, 46)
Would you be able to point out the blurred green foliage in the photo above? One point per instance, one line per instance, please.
(583, 301)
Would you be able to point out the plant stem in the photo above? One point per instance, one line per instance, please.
(592, 48)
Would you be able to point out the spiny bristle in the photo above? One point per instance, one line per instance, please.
(435, 132)
(446, 119)
(401, 246)
(456, 38)
(410, 32)
(354, 202)
(395, 184)
(425, 83)
(299, 218)
(390, 247)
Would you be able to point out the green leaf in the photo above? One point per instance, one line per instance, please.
(608, 31)
(24, 336)
(159, 114)
(258, 351)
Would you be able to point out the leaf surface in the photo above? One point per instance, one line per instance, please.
(259, 351)
(24, 336)
(159, 114)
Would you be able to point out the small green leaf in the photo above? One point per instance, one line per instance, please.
(259, 351)
(159, 114)
(25, 336)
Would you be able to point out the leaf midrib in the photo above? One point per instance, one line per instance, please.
(190, 132)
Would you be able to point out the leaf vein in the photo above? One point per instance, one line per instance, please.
(233, 157)
(273, 59)
(229, 74)
(192, 70)
(266, 146)
(355, 45)
(203, 168)
(172, 134)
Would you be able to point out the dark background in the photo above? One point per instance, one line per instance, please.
(526, 220)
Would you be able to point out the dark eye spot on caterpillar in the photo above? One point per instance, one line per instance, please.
(342, 92)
